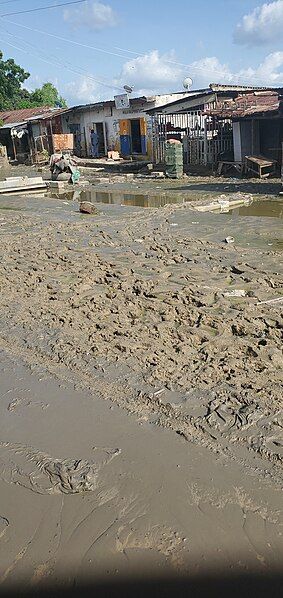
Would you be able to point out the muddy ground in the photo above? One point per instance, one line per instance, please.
(141, 408)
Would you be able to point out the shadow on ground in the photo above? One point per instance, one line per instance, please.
(244, 586)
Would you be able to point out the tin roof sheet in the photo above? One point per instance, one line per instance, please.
(18, 116)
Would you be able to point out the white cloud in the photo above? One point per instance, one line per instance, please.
(261, 26)
(32, 82)
(211, 70)
(152, 72)
(86, 91)
(93, 15)
(270, 71)
(155, 73)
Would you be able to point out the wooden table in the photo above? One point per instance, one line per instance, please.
(260, 166)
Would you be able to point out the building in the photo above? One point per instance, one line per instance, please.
(215, 124)
(257, 124)
(14, 132)
(124, 129)
(48, 134)
(29, 133)
(35, 133)
(203, 122)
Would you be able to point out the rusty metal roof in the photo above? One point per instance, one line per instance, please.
(16, 116)
(247, 104)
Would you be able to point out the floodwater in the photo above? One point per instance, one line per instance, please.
(132, 199)
(256, 225)
(262, 209)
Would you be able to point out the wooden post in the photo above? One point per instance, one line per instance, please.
(52, 142)
(205, 148)
(253, 132)
(14, 146)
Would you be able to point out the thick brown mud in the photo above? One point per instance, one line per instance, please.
(147, 313)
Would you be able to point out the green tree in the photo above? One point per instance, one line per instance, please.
(47, 95)
(12, 76)
(14, 96)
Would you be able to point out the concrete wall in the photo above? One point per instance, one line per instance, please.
(87, 119)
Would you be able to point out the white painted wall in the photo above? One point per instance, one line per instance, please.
(87, 117)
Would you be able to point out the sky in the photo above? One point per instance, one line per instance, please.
(91, 49)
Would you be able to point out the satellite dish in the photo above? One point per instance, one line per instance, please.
(187, 83)
(128, 89)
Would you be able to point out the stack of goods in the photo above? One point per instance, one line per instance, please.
(174, 159)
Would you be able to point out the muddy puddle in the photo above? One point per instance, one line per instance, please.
(262, 209)
(187, 513)
(132, 199)
(256, 225)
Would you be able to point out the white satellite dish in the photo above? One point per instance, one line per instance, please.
(128, 89)
(187, 83)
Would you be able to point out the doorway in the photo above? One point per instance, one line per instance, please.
(136, 136)
(101, 140)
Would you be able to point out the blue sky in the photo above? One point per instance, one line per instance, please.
(150, 44)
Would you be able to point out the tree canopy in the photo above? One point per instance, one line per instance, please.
(47, 95)
(14, 96)
(12, 76)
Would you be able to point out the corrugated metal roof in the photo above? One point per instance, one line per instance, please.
(108, 104)
(16, 116)
(12, 125)
(133, 101)
(220, 87)
(50, 113)
(197, 97)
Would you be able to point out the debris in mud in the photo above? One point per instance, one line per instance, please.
(112, 155)
(225, 203)
(20, 184)
(277, 300)
(56, 185)
(87, 207)
(4, 524)
(235, 293)
(67, 476)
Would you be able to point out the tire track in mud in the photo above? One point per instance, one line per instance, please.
(150, 408)
(50, 476)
